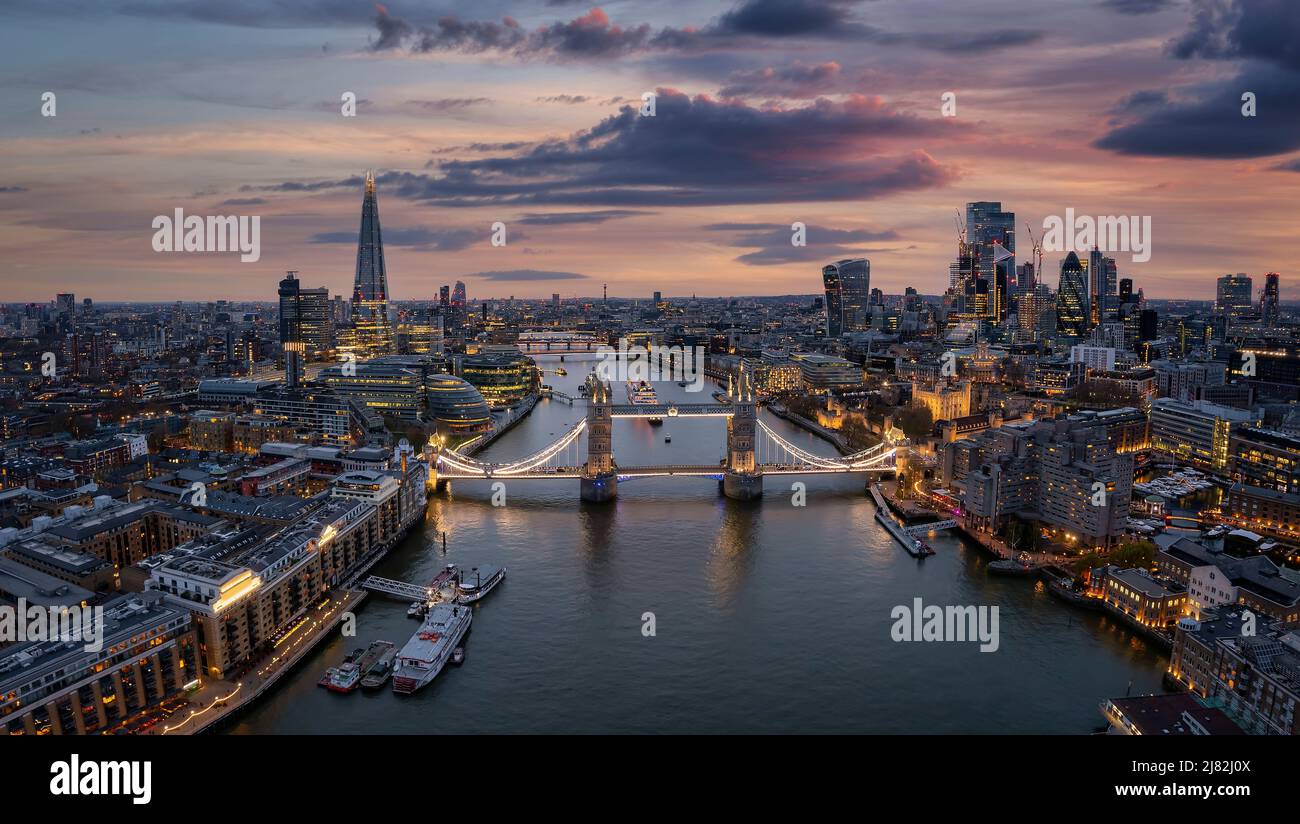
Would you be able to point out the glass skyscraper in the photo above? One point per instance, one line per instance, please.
(1072, 304)
(1234, 295)
(371, 332)
(848, 295)
(305, 324)
(991, 235)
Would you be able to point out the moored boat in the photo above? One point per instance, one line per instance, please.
(477, 582)
(426, 653)
(380, 671)
(346, 677)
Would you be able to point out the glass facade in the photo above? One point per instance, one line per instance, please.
(848, 296)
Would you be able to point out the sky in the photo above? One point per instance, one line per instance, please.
(828, 113)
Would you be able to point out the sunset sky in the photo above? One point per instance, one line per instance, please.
(768, 112)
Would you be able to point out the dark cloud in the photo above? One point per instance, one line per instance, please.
(797, 80)
(822, 243)
(1136, 7)
(243, 201)
(391, 30)
(568, 218)
(1207, 121)
(526, 274)
(791, 18)
(748, 24)
(1292, 165)
(700, 151)
(7, 190)
(418, 237)
(1267, 30)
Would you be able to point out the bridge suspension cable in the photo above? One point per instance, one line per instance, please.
(875, 455)
(464, 463)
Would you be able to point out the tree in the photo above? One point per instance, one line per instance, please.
(916, 421)
(1134, 554)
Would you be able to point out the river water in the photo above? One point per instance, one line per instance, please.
(769, 617)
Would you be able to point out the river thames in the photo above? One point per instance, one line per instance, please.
(769, 617)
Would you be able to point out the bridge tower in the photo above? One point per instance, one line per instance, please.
(599, 480)
(742, 480)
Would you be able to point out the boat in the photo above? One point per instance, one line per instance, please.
(379, 672)
(458, 656)
(641, 393)
(668, 438)
(561, 371)
(919, 549)
(477, 582)
(416, 609)
(1006, 566)
(426, 653)
(347, 676)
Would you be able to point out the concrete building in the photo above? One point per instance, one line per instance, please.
(1196, 433)
(148, 655)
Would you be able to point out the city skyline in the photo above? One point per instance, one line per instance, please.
(1053, 111)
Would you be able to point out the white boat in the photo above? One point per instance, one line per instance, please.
(477, 582)
(424, 656)
(641, 393)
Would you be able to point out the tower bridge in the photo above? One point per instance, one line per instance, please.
(753, 450)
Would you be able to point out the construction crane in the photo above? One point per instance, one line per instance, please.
(1037, 245)
(961, 231)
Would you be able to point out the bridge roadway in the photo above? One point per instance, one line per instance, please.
(542, 473)
(670, 410)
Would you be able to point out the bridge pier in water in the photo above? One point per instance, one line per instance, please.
(599, 480)
(742, 480)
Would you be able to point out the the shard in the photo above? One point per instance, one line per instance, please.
(371, 333)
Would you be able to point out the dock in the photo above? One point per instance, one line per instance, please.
(895, 529)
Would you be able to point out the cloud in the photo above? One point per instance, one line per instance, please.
(822, 243)
(1292, 165)
(417, 237)
(391, 30)
(243, 201)
(1135, 7)
(593, 35)
(526, 275)
(696, 151)
(565, 98)
(565, 218)
(1206, 121)
(1267, 30)
(448, 104)
(6, 190)
(797, 80)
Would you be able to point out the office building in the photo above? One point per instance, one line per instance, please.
(1197, 433)
(848, 295)
(1234, 296)
(1072, 301)
(371, 334)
